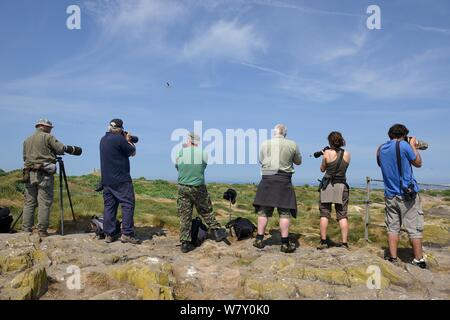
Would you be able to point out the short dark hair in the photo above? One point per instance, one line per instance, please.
(336, 140)
(398, 131)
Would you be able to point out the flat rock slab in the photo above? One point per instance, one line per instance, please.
(78, 266)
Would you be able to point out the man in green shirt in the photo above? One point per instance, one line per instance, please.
(39, 156)
(191, 164)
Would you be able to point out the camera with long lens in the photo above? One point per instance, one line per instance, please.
(420, 144)
(320, 153)
(73, 150)
(134, 139)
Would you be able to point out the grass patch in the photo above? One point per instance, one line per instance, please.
(156, 206)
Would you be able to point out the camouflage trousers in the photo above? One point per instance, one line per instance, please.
(38, 194)
(188, 197)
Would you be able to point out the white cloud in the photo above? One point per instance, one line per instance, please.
(353, 46)
(136, 18)
(226, 40)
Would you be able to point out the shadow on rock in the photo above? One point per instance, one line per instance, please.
(275, 238)
(147, 233)
(403, 254)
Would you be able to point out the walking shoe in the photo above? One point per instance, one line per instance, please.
(109, 239)
(130, 239)
(26, 230)
(391, 259)
(419, 263)
(259, 244)
(344, 245)
(288, 247)
(186, 246)
(43, 233)
(324, 244)
(220, 234)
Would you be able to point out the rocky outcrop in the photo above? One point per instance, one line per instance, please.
(33, 268)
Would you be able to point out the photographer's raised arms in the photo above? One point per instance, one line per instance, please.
(40, 152)
(277, 158)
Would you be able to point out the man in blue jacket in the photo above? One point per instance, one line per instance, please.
(396, 158)
(115, 149)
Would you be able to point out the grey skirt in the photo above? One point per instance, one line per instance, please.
(276, 191)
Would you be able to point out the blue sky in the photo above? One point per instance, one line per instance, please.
(312, 65)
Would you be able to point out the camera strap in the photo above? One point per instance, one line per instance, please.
(338, 165)
(399, 165)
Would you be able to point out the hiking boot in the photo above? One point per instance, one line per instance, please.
(43, 233)
(324, 244)
(288, 247)
(392, 259)
(110, 239)
(259, 244)
(130, 239)
(419, 263)
(344, 245)
(186, 246)
(219, 234)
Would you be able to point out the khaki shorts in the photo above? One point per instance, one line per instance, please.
(341, 209)
(406, 214)
(268, 212)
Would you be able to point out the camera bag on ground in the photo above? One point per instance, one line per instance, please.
(199, 232)
(5, 220)
(97, 227)
(243, 228)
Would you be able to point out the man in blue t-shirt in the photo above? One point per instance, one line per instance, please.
(401, 210)
(115, 149)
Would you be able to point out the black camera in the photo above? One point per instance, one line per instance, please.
(409, 193)
(230, 195)
(421, 145)
(134, 139)
(73, 150)
(320, 153)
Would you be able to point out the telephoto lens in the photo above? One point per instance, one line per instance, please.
(318, 154)
(421, 145)
(73, 150)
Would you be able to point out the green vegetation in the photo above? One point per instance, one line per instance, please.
(156, 205)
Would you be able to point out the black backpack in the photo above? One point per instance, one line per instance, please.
(199, 232)
(243, 228)
(97, 227)
(5, 220)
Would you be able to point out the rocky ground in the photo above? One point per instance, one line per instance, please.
(35, 268)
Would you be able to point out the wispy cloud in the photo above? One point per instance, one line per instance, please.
(432, 29)
(226, 40)
(304, 9)
(353, 46)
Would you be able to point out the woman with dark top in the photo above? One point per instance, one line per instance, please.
(334, 187)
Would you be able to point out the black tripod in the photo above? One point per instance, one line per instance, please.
(62, 175)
